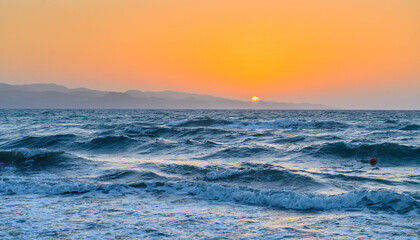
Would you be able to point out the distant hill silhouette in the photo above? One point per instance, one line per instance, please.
(58, 96)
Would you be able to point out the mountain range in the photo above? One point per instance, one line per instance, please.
(48, 96)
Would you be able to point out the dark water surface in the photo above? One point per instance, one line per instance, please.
(134, 174)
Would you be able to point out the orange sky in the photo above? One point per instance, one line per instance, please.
(348, 53)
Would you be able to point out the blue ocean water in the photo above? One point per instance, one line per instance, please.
(204, 174)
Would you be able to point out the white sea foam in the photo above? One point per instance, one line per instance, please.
(178, 123)
(57, 188)
(271, 198)
(134, 130)
(299, 201)
(30, 153)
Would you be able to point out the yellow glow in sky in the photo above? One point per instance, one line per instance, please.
(347, 53)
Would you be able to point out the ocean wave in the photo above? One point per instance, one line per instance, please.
(276, 124)
(361, 179)
(168, 132)
(42, 141)
(205, 122)
(239, 152)
(283, 177)
(130, 175)
(382, 200)
(184, 169)
(142, 131)
(411, 127)
(219, 175)
(109, 143)
(391, 121)
(29, 187)
(242, 175)
(386, 151)
(289, 139)
(160, 146)
(375, 200)
(34, 158)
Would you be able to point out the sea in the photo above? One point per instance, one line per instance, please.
(209, 174)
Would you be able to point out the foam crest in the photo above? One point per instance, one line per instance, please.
(375, 200)
(27, 158)
(27, 187)
(382, 200)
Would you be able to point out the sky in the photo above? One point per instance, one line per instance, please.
(355, 54)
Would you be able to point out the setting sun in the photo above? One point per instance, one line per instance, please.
(255, 99)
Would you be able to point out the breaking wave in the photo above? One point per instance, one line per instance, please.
(375, 200)
(384, 200)
(34, 159)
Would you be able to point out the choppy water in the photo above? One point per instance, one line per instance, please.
(209, 174)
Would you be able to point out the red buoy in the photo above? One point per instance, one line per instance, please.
(373, 161)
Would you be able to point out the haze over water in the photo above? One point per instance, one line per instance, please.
(206, 174)
(349, 54)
